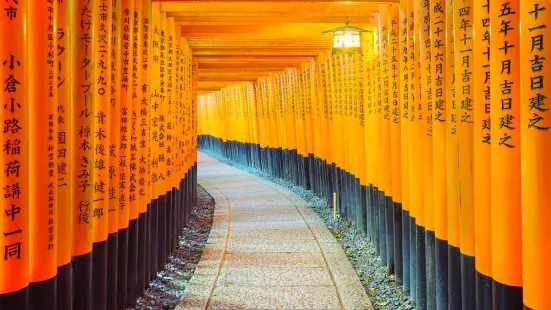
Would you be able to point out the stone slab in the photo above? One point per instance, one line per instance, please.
(262, 297)
(274, 260)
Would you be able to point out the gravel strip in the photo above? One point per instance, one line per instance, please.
(385, 293)
(165, 291)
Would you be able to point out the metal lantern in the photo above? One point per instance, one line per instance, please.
(347, 39)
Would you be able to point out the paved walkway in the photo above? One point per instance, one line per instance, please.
(267, 249)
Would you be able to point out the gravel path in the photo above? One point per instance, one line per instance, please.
(385, 293)
(166, 290)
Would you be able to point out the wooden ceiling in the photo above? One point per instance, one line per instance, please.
(241, 41)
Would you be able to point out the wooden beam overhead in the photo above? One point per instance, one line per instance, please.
(279, 7)
(252, 38)
(281, 30)
(270, 18)
(239, 35)
(252, 59)
(208, 89)
(259, 52)
(206, 21)
(239, 74)
(238, 70)
(235, 42)
(258, 43)
(274, 66)
(214, 84)
(222, 78)
(279, 1)
(248, 16)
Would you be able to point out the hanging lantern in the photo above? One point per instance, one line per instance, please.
(347, 39)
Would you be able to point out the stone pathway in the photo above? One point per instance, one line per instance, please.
(267, 250)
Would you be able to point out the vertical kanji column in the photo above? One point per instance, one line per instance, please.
(394, 85)
(360, 103)
(84, 93)
(42, 60)
(144, 191)
(101, 134)
(463, 53)
(535, 141)
(454, 265)
(379, 215)
(385, 154)
(481, 153)
(114, 120)
(427, 99)
(404, 141)
(170, 134)
(125, 133)
(419, 146)
(325, 124)
(133, 151)
(310, 132)
(154, 132)
(14, 219)
(505, 187)
(413, 182)
(439, 93)
(65, 154)
(163, 117)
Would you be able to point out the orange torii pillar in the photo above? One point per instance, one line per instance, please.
(404, 140)
(439, 93)
(452, 198)
(84, 92)
(359, 69)
(310, 133)
(142, 7)
(326, 121)
(125, 132)
(101, 134)
(337, 137)
(147, 153)
(426, 135)
(412, 63)
(368, 127)
(385, 155)
(346, 167)
(331, 121)
(169, 133)
(65, 155)
(163, 144)
(420, 145)
(379, 200)
(41, 109)
(506, 211)
(154, 134)
(464, 71)
(133, 150)
(395, 136)
(536, 147)
(113, 151)
(132, 154)
(418, 170)
(14, 220)
(481, 161)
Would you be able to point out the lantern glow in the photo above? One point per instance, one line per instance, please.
(347, 39)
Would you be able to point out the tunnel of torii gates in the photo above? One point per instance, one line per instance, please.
(435, 139)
